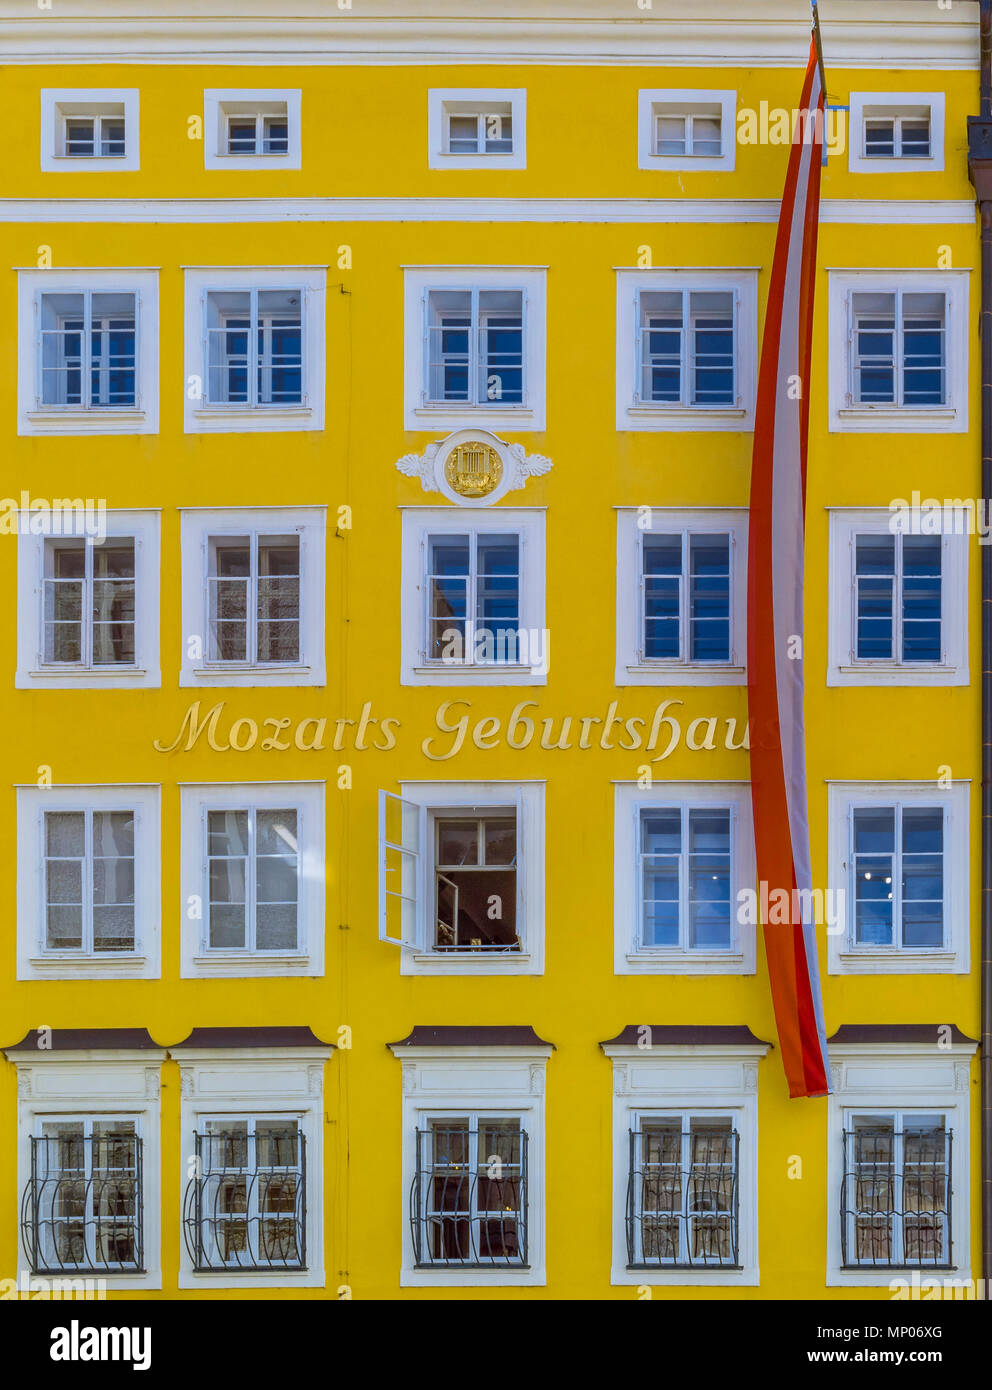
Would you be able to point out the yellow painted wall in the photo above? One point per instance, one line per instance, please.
(364, 134)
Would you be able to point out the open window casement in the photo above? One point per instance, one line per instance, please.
(400, 882)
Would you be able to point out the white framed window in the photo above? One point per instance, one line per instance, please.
(245, 129)
(686, 349)
(898, 597)
(88, 870)
(681, 596)
(87, 352)
(899, 351)
(89, 129)
(472, 597)
(897, 1146)
(461, 877)
(477, 1110)
(896, 132)
(253, 879)
(255, 349)
(898, 858)
(88, 600)
(475, 347)
(686, 129)
(253, 1206)
(684, 853)
(477, 128)
(89, 1165)
(685, 1163)
(253, 596)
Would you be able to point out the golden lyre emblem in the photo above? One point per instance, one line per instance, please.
(473, 469)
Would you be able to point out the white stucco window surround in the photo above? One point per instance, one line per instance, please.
(131, 537)
(940, 915)
(477, 128)
(687, 348)
(475, 348)
(245, 129)
(907, 602)
(687, 1077)
(253, 879)
(651, 888)
(682, 128)
(273, 634)
(245, 1078)
(89, 129)
(896, 132)
(695, 532)
(87, 351)
(89, 870)
(898, 351)
(893, 1076)
(255, 352)
(471, 1076)
(91, 1078)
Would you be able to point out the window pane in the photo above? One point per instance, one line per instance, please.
(915, 137)
(280, 347)
(62, 325)
(278, 598)
(449, 338)
(922, 876)
(921, 598)
(497, 606)
(65, 833)
(448, 583)
(228, 335)
(923, 347)
(706, 136)
(80, 136)
(712, 347)
(457, 842)
(229, 583)
(874, 847)
(874, 345)
(662, 562)
(463, 134)
(112, 350)
(880, 137)
(661, 845)
(113, 880)
(501, 346)
(661, 346)
(709, 879)
(498, 129)
(875, 561)
(709, 597)
(670, 135)
(63, 600)
(113, 603)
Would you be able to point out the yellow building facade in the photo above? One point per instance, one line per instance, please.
(363, 331)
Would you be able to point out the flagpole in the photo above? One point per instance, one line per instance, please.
(819, 47)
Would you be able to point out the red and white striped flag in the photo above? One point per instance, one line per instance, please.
(776, 558)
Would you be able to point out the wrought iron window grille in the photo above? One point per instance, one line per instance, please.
(245, 1205)
(81, 1210)
(895, 1204)
(468, 1207)
(683, 1200)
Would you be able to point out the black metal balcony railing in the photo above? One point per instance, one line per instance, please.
(895, 1203)
(81, 1210)
(245, 1206)
(683, 1199)
(468, 1206)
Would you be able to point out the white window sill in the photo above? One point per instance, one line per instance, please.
(871, 1277)
(253, 1279)
(470, 1278)
(682, 673)
(86, 672)
(888, 419)
(896, 962)
(95, 164)
(121, 965)
(687, 417)
(660, 962)
(263, 417)
(95, 420)
(218, 965)
(892, 673)
(500, 159)
(684, 1278)
(238, 674)
(482, 963)
(234, 668)
(458, 673)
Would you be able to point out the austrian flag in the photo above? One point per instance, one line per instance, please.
(776, 549)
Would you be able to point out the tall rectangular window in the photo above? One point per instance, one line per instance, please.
(89, 602)
(469, 1203)
(89, 881)
(475, 869)
(687, 347)
(899, 348)
(686, 596)
(682, 1195)
(87, 346)
(897, 598)
(253, 874)
(473, 587)
(254, 598)
(475, 347)
(896, 1195)
(897, 869)
(254, 347)
(686, 872)
(245, 1208)
(83, 1207)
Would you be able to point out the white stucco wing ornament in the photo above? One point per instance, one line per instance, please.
(473, 468)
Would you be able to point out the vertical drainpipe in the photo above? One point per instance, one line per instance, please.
(980, 170)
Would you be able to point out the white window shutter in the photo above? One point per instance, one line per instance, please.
(851, 347)
(425, 343)
(399, 870)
